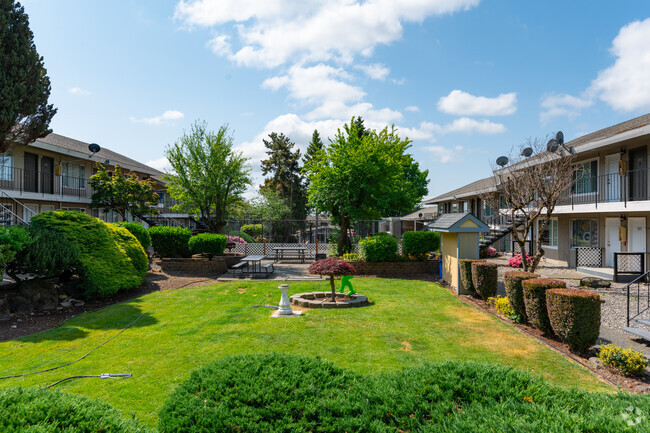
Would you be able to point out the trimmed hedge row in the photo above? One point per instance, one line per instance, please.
(207, 244)
(514, 291)
(380, 247)
(575, 316)
(420, 243)
(484, 279)
(170, 242)
(535, 301)
(465, 266)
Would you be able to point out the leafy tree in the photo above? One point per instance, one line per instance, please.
(24, 85)
(364, 174)
(269, 206)
(122, 193)
(208, 177)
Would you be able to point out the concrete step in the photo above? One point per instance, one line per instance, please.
(644, 321)
(638, 332)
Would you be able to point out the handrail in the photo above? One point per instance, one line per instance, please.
(25, 208)
(637, 281)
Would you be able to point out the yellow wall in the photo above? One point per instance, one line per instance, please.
(449, 259)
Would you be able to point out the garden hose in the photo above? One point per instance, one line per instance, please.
(101, 376)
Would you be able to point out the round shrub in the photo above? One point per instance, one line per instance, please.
(628, 362)
(139, 231)
(208, 244)
(380, 247)
(535, 301)
(484, 279)
(420, 244)
(110, 258)
(169, 242)
(252, 230)
(465, 266)
(575, 316)
(38, 410)
(515, 292)
(242, 235)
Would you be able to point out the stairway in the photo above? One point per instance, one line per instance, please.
(201, 227)
(9, 211)
(500, 226)
(641, 333)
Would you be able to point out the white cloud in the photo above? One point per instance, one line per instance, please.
(625, 85)
(161, 164)
(167, 116)
(412, 108)
(445, 154)
(464, 104)
(220, 45)
(78, 91)
(376, 71)
(564, 105)
(469, 126)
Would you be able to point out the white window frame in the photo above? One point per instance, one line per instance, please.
(65, 178)
(552, 222)
(575, 167)
(7, 167)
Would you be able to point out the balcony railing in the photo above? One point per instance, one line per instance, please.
(609, 188)
(38, 182)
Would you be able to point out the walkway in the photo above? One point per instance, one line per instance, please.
(284, 271)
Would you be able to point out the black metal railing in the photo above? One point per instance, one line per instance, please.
(35, 181)
(631, 185)
(635, 300)
(628, 264)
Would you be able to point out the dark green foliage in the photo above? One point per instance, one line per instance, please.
(208, 244)
(24, 85)
(139, 231)
(535, 301)
(420, 244)
(253, 230)
(465, 266)
(380, 247)
(38, 410)
(575, 316)
(245, 236)
(515, 292)
(170, 242)
(484, 279)
(110, 258)
(13, 240)
(48, 255)
(295, 394)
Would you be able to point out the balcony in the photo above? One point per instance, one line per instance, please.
(38, 184)
(628, 186)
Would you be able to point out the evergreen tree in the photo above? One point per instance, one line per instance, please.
(24, 85)
(315, 145)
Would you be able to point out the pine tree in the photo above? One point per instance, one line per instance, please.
(315, 145)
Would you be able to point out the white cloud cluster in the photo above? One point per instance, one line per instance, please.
(376, 71)
(167, 116)
(446, 155)
(161, 164)
(78, 91)
(464, 104)
(564, 105)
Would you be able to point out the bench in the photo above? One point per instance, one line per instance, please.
(266, 268)
(238, 267)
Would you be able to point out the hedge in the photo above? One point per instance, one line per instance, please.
(110, 257)
(38, 410)
(170, 242)
(465, 266)
(575, 316)
(208, 244)
(253, 230)
(420, 243)
(484, 279)
(380, 247)
(535, 301)
(139, 231)
(515, 292)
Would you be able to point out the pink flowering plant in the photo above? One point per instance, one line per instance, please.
(515, 261)
(491, 252)
(236, 240)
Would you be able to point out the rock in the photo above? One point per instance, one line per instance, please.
(595, 362)
(5, 313)
(39, 293)
(595, 283)
(643, 389)
(18, 304)
(63, 296)
(14, 326)
(77, 302)
(67, 303)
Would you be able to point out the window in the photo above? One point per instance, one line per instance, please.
(74, 209)
(584, 233)
(487, 210)
(6, 167)
(549, 234)
(585, 178)
(73, 175)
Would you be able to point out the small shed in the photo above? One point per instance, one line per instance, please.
(459, 239)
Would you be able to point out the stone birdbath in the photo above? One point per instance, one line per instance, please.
(332, 267)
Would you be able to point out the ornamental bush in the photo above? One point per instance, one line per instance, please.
(49, 255)
(465, 266)
(39, 410)
(420, 244)
(503, 306)
(628, 362)
(208, 244)
(484, 279)
(515, 260)
(515, 292)
(242, 235)
(139, 231)
(169, 242)
(110, 258)
(535, 301)
(380, 247)
(13, 240)
(252, 230)
(575, 316)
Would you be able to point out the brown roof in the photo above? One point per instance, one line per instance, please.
(467, 190)
(628, 125)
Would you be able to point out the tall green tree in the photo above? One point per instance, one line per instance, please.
(364, 175)
(24, 85)
(315, 146)
(122, 193)
(208, 176)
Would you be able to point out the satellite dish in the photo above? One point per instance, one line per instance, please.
(552, 145)
(502, 161)
(94, 148)
(559, 137)
(527, 152)
(419, 215)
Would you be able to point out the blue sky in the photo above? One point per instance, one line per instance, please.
(464, 79)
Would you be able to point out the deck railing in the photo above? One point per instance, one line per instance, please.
(39, 182)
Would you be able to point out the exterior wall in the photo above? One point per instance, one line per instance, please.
(449, 259)
(468, 249)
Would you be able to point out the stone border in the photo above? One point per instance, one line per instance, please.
(320, 300)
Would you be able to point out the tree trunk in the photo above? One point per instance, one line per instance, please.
(342, 245)
(333, 289)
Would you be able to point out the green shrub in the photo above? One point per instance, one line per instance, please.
(352, 257)
(110, 258)
(465, 266)
(535, 301)
(515, 292)
(484, 279)
(49, 255)
(502, 304)
(13, 240)
(380, 247)
(420, 244)
(208, 244)
(38, 410)
(170, 242)
(628, 362)
(575, 316)
(139, 231)
(245, 236)
(252, 230)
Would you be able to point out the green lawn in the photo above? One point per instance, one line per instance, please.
(410, 323)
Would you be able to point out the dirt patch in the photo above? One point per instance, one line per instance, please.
(406, 346)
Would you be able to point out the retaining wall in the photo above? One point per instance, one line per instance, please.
(198, 266)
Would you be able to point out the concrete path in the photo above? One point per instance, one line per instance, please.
(286, 270)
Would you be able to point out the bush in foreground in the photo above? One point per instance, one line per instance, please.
(170, 242)
(484, 279)
(420, 244)
(208, 244)
(139, 231)
(514, 291)
(38, 410)
(628, 362)
(535, 301)
(465, 266)
(380, 247)
(575, 316)
(503, 306)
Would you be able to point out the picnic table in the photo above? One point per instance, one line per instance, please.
(290, 252)
(252, 265)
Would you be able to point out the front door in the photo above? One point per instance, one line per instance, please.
(636, 235)
(612, 179)
(47, 175)
(30, 173)
(638, 174)
(612, 244)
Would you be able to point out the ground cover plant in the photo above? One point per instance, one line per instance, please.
(628, 362)
(410, 323)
